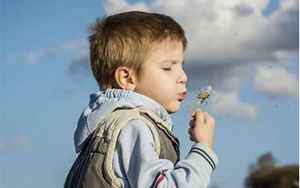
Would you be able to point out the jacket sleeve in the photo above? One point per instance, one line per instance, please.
(138, 166)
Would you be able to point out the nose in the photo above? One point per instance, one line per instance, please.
(183, 77)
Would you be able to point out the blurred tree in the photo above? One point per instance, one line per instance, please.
(264, 174)
(266, 161)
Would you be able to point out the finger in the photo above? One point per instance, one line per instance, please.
(193, 115)
(206, 114)
(198, 110)
(191, 135)
(195, 111)
(190, 131)
(199, 117)
(192, 139)
(192, 123)
(204, 117)
(207, 118)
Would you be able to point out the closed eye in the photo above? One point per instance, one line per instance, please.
(167, 69)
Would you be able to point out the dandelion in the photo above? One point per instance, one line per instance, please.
(203, 96)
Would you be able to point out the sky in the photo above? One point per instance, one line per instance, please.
(248, 51)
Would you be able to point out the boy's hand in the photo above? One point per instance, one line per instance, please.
(202, 128)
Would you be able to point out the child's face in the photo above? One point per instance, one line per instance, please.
(163, 78)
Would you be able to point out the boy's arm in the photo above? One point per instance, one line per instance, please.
(138, 165)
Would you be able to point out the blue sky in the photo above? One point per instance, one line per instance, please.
(45, 83)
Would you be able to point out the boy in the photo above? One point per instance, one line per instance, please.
(137, 60)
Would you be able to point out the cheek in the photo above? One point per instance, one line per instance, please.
(166, 92)
(158, 86)
(161, 91)
(164, 86)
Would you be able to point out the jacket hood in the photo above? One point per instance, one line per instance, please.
(104, 102)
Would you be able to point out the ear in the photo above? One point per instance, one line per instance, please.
(125, 78)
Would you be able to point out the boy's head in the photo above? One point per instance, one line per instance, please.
(142, 52)
(126, 40)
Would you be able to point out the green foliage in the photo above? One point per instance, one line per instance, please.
(264, 174)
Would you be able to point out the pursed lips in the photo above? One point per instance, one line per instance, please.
(182, 95)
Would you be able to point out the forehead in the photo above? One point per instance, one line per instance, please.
(166, 50)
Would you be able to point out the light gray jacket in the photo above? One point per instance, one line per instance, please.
(135, 162)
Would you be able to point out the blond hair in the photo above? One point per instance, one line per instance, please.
(125, 39)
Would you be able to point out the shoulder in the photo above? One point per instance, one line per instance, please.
(137, 138)
(135, 122)
(136, 128)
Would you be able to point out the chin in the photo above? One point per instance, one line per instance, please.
(173, 108)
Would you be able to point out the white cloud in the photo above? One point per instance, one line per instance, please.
(115, 6)
(80, 46)
(290, 4)
(36, 56)
(273, 78)
(283, 57)
(229, 103)
(221, 77)
(275, 81)
(224, 31)
(15, 143)
(228, 41)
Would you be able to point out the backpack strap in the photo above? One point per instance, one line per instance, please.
(109, 129)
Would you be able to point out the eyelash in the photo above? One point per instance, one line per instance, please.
(167, 69)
